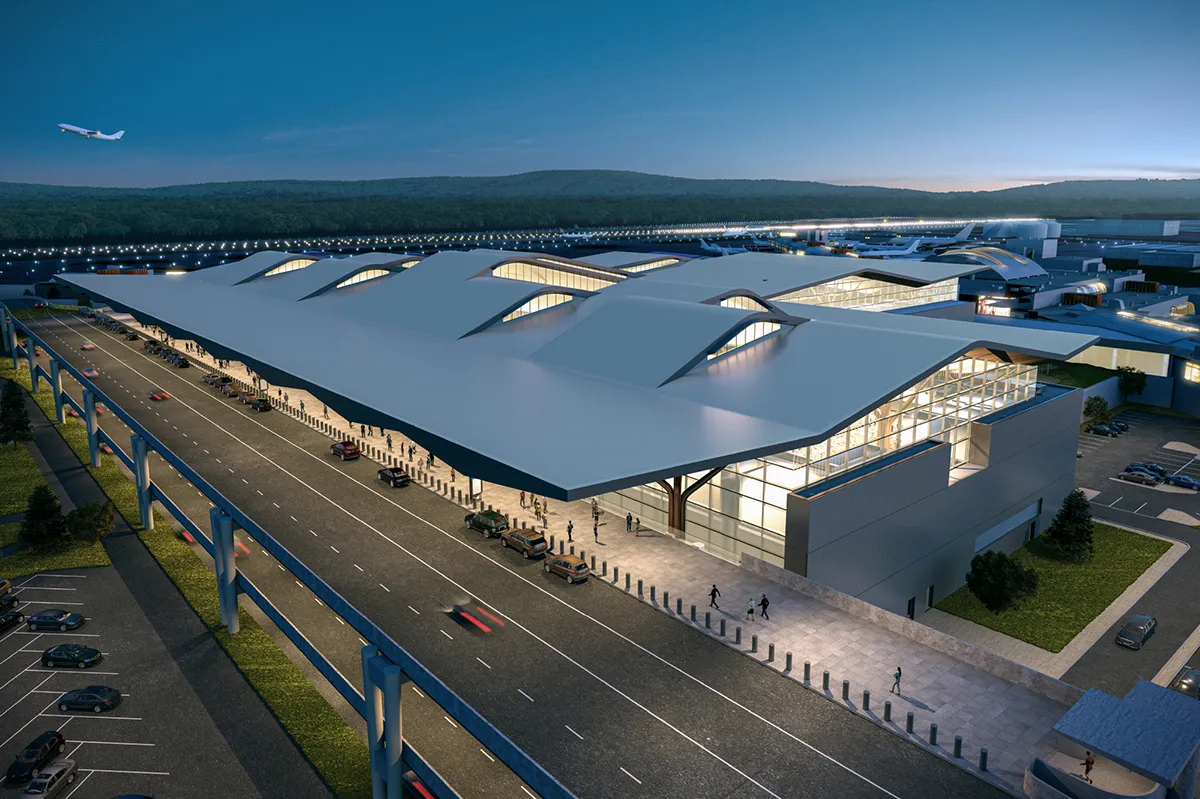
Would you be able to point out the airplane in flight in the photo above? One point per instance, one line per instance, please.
(90, 134)
(717, 248)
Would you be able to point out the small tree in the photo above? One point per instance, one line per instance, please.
(1070, 534)
(91, 522)
(1130, 381)
(998, 581)
(43, 526)
(15, 427)
(1096, 409)
(84, 301)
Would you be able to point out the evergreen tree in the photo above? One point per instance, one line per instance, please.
(1130, 381)
(15, 427)
(1096, 409)
(1070, 534)
(91, 522)
(43, 527)
(998, 581)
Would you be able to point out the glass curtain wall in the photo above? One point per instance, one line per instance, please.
(539, 303)
(744, 303)
(651, 265)
(744, 508)
(868, 294)
(291, 266)
(749, 334)
(363, 277)
(552, 276)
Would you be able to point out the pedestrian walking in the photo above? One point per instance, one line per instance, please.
(896, 681)
(1089, 763)
(712, 597)
(431, 460)
(537, 510)
(570, 529)
(522, 499)
(628, 522)
(637, 525)
(750, 610)
(325, 411)
(301, 406)
(545, 508)
(763, 604)
(389, 442)
(362, 430)
(412, 451)
(596, 532)
(286, 401)
(278, 393)
(452, 472)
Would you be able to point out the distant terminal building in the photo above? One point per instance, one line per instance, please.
(1122, 228)
(812, 412)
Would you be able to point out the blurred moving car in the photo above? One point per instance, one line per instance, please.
(395, 477)
(158, 395)
(468, 612)
(39, 752)
(1187, 682)
(96, 698)
(91, 372)
(87, 345)
(71, 655)
(530, 543)
(1137, 631)
(346, 450)
(570, 567)
(51, 781)
(55, 619)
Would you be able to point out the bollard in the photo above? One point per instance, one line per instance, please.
(639, 586)
(866, 700)
(616, 573)
(958, 746)
(573, 552)
(933, 734)
(582, 555)
(562, 548)
(604, 568)
(908, 725)
(678, 606)
(770, 653)
(722, 628)
(807, 671)
(825, 681)
(983, 759)
(594, 565)
(788, 661)
(846, 690)
(693, 613)
(651, 592)
(522, 524)
(489, 506)
(667, 600)
(626, 581)
(551, 543)
(887, 710)
(754, 643)
(707, 620)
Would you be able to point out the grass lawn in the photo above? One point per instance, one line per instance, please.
(1069, 595)
(333, 748)
(78, 555)
(39, 313)
(1073, 375)
(1137, 406)
(19, 475)
(9, 533)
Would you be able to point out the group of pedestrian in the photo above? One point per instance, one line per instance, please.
(633, 525)
(762, 604)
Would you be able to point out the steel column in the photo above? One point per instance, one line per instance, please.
(56, 387)
(30, 349)
(225, 562)
(393, 729)
(382, 680)
(89, 418)
(374, 715)
(141, 473)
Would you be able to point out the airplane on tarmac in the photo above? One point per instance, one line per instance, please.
(904, 245)
(91, 134)
(567, 235)
(717, 248)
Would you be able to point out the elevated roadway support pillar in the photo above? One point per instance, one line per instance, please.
(89, 418)
(10, 342)
(225, 565)
(6, 331)
(30, 349)
(56, 387)
(141, 474)
(385, 728)
(677, 497)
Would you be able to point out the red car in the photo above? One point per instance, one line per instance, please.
(87, 345)
(91, 372)
(159, 395)
(346, 450)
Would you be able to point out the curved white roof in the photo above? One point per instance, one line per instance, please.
(992, 261)
(609, 390)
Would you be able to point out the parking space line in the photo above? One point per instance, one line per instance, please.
(73, 635)
(48, 602)
(122, 771)
(1139, 507)
(26, 724)
(115, 743)
(103, 716)
(78, 785)
(69, 671)
(13, 655)
(27, 695)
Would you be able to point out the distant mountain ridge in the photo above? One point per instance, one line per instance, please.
(597, 183)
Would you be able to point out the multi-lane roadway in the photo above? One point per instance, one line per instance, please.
(613, 697)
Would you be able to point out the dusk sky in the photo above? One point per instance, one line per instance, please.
(932, 94)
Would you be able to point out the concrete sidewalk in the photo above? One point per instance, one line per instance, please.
(1012, 722)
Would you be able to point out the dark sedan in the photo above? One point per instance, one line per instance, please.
(1137, 631)
(55, 619)
(8, 602)
(396, 478)
(40, 752)
(1187, 682)
(73, 655)
(96, 698)
(11, 619)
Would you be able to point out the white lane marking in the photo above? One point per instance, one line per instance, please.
(418, 690)
(314, 532)
(335, 549)
(545, 592)
(414, 610)
(448, 635)
(339, 618)
(527, 696)
(384, 587)
(26, 724)
(293, 518)
(79, 784)
(360, 568)
(299, 583)
(268, 554)
(60, 669)
(19, 651)
(452, 724)
(120, 771)
(230, 470)
(531, 793)
(280, 565)
(484, 664)
(485, 754)
(244, 480)
(259, 492)
(577, 735)
(635, 779)
(364, 643)
(276, 504)
(1139, 507)
(319, 602)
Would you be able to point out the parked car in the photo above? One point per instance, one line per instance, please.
(5, 585)
(1120, 427)
(38, 753)
(55, 619)
(489, 522)
(1102, 430)
(51, 781)
(1187, 682)
(8, 602)
(570, 567)
(260, 405)
(10, 619)
(96, 698)
(346, 450)
(221, 380)
(1137, 631)
(530, 543)
(75, 655)
(395, 477)
(1078, 453)
(247, 396)
(132, 336)
(1153, 468)
(182, 363)
(1140, 477)
(1182, 481)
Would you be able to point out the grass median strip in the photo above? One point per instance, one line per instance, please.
(333, 748)
(1069, 595)
(19, 475)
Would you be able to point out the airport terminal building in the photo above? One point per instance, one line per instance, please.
(814, 412)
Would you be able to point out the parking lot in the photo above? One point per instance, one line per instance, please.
(158, 741)
(1171, 442)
